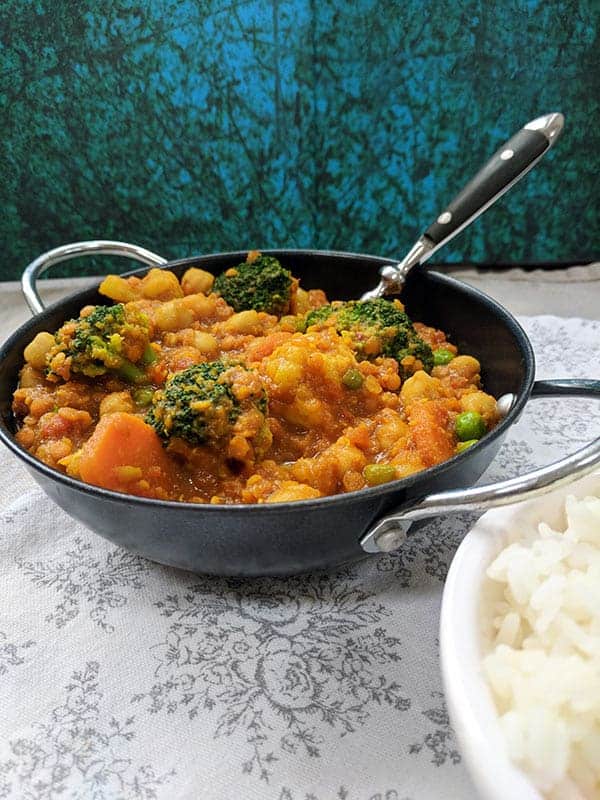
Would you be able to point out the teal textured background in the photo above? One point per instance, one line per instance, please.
(200, 126)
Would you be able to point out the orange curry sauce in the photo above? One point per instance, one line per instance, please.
(323, 437)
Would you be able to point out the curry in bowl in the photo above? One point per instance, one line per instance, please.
(244, 388)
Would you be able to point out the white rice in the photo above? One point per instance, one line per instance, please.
(544, 664)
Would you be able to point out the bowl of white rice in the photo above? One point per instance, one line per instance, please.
(520, 647)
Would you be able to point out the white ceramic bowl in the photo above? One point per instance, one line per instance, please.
(469, 699)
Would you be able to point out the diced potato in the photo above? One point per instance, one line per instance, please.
(205, 343)
(285, 374)
(245, 322)
(30, 377)
(116, 401)
(118, 289)
(197, 280)
(347, 457)
(289, 491)
(300, 302)
(35, 352)
(172, 316)
(200, 305)
(160, 284)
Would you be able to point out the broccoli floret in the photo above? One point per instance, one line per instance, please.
(109, 339)
(316, 316)
(374, 328)
(260, 283)
(210, 403)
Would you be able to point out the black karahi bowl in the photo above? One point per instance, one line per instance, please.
(288, 538)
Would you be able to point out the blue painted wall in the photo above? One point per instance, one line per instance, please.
(199, 126)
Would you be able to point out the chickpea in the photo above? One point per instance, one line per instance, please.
(36, 351)
(41, 405)
(393, 429)
(420, 386)
(482, 403)
(197, 280)
(467, 366)
(76, 416)
(372, 385)
(128, 474)
(25, 437)
(52, 451)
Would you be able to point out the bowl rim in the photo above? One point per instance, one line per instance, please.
(469, 699)
(274, 509)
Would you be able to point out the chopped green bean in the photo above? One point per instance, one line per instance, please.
(149, 356)
(353, 379)
(375, 474)
(442, 357)
(469, 425)
(143, 396)
(130, 373)
(461, 446)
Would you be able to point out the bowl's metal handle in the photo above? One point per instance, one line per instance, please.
(390, 532)
(101, 247)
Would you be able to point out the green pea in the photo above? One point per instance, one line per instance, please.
(353, 379)
(143, 396)
(462, 446)
(375, 474)
(442, 357)
(149, 356)
(469, 425)
(130, 373)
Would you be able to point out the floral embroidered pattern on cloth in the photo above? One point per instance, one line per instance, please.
(120, 678)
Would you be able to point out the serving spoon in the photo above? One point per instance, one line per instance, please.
(507, 166)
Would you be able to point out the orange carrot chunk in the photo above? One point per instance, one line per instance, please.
(430, 431)
(125, 455)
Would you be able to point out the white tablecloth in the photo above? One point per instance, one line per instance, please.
(120, 678)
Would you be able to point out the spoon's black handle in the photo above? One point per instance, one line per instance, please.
(504, 168)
